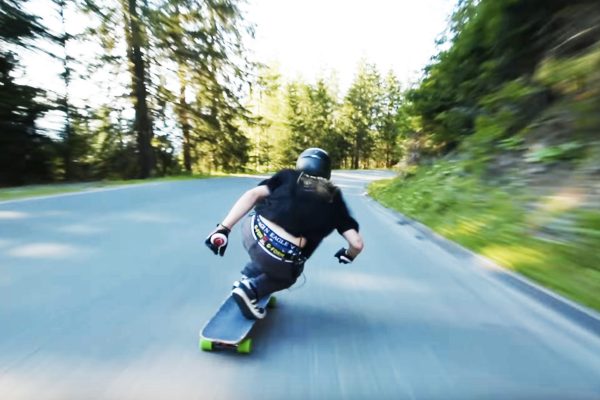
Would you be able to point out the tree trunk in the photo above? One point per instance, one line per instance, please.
(355, 156)
(388, 155)
(137, 68)
(184, 122)
(182, 106)
(67, 152)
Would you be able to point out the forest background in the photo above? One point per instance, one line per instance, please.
(172, 89)
(497, 144)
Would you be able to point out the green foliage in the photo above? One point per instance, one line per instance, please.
(514, 94)
(17, 26)
(362, 107)
(392, 121)
(365, 128)
(145, 40)
(576, 75)
(519, 77)
(25, 154)
(113, 146)
(495, 46)
(503, 64)
(587, 223)
(205, 41)
(511, 143)
(493, 221)
(517, 82)
(549, 154)
(313, 113)
(268, 131)
(202, 122)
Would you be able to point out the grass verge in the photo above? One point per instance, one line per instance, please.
(29, 191)
(503, 224)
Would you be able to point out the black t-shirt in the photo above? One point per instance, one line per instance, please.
(305, 206)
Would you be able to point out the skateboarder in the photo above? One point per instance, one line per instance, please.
(294, 211)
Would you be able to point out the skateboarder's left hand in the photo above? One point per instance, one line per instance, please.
(343, 256)
(217, 240)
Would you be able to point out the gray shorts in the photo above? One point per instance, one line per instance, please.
(268, 274)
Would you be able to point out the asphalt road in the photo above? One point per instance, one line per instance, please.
(102, 296)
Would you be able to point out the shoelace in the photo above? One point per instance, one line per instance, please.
(255, 306)
(252, 301)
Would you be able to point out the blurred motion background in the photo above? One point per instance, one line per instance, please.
(496, 143)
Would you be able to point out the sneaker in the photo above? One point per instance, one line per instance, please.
(237, 284)
(246, 299)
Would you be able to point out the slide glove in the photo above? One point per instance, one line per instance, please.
(343, 256)
(217, 240)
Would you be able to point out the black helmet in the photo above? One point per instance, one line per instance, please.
(315, 161)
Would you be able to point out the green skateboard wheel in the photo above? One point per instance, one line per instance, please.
(272, 302)
(245, 347)
(206, 345)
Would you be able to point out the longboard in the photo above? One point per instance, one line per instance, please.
(228, 328)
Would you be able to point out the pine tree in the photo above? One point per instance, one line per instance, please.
(269, 132)
(135, 41)
(390, 122)
(204, 41)
(25, 154)
(362, 110)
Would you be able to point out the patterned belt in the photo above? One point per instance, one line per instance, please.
(275, 245)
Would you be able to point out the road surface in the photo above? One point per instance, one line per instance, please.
(102, 295)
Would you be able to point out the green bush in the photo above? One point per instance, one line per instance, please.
(550, 154)
(494, 221)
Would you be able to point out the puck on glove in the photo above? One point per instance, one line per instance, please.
(218, 239)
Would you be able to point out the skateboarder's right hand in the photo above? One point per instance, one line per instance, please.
(217, 240)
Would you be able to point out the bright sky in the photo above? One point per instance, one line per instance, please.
(309, 38)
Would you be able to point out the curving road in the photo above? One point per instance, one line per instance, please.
(102, 295)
